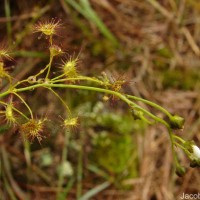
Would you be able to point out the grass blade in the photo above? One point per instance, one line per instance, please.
(8, 23)
(95, 191)
(86, 10)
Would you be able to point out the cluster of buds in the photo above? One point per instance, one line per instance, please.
(34, 128)
(193, 153)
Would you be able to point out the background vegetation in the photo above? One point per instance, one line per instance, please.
(155, 46)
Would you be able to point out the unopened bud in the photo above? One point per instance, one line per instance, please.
(137, 114)
(194, 163)
(176, 122)
(55, 50)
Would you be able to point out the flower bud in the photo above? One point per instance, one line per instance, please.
(137, 114)
(194, 163)
(55, 50)
(31, 79)
(176, 122)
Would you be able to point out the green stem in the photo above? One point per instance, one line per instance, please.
(96, 89)
(183, 148)
(129, 96)
(151, 104)
(66, 106)
(22, 114)
(49, 67)
(172, 147)
(19, 82)
(178, 138)
(57, 77)
(79, 78)
(24, 103)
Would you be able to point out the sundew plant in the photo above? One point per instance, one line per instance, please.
(32, 128)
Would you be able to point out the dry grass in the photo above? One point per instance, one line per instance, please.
(156, 37)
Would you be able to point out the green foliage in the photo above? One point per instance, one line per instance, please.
(165, 52)
(178, 78)
(116, 154)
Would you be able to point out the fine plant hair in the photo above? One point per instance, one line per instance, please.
(32, 127)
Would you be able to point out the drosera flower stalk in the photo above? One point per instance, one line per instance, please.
(190, 148)
(55, 50)
(70, 78)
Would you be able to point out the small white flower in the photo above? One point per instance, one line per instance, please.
(196, 151)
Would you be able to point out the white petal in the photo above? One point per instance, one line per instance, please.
(196, 151)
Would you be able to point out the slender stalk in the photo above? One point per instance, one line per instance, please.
(172, 147)
(59, 97)
(49, 67)
(183, 148)
(19, 82)
(96, 89)
(24, 103)
(151, 104)
(79, 78)
(57, 77)
(178, 138)
(8, 16)
(22, 114)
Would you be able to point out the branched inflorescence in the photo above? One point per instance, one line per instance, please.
(31, 127)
